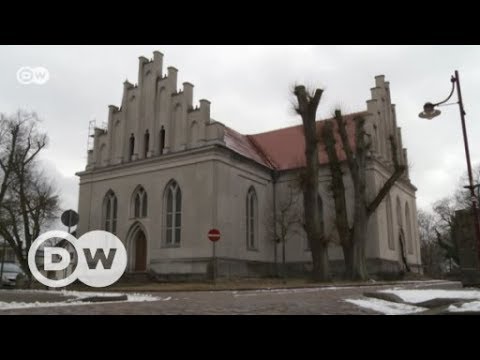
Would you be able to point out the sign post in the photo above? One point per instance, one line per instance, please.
(214, 236)
(69, 218)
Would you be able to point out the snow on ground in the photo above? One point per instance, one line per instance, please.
(471, 306)
(415, 296)
(79, 295)
(242, 293)
(386, 307)
(420, 295)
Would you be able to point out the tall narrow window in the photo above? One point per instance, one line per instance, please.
(320, 214)
(132, 147)
(399, 215)
(162, 140)
(173, 214)
(147, 144)
(388, 205)
(110, 212)
(140, 203)
(408, 226)
(137, 206)
(251, 219)
(114, 218)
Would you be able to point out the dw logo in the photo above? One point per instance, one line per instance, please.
(27, 75)
(97, 259)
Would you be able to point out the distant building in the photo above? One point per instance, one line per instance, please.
(9, 252)
(162, 173)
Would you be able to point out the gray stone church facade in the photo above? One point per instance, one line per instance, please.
(163, 173)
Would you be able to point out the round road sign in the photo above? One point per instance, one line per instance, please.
(214, 235)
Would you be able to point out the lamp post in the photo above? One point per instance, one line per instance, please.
(429, 112)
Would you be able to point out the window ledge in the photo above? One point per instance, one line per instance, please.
(172, 246)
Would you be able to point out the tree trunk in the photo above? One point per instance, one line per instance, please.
(338, 190)
(321, 269)
(358, 265)
(347, 250)
(307, 108)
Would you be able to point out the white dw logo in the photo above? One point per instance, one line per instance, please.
(37, 75)
(99, 258)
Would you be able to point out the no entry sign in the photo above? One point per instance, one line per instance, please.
(214, 235)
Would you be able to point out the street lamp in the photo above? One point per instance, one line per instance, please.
(429, 112)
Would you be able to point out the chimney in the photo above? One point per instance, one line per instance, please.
(188, 94)
(205, 110)
(158, 63)
(142, 61)
(380, 81)
(172, 78)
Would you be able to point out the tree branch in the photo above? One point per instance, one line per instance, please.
(398, 172)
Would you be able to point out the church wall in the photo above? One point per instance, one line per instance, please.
(194, 176)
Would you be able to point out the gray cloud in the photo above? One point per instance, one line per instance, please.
(249, 89)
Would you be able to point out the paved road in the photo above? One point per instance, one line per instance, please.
(311, 301)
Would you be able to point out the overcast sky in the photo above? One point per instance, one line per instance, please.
(249, 90)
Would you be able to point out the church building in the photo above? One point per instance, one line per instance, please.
(162, 173)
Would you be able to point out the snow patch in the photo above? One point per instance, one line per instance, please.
(470, 306)
(386, 307)
(75, 302)
(418, 296)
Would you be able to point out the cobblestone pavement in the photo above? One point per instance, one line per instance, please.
(311, 301)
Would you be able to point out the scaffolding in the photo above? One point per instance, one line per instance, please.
(91, 134)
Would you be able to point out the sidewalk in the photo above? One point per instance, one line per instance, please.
(249, 284)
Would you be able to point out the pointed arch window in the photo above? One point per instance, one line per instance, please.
(147, 144)
(251, 219)
(173, 214)
(131, 147)
(391, 242)
(408, 226)
(140, 203)
(162, 140)
(110, 206)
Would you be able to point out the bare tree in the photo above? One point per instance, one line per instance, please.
(354, 238)
(431, 252)
(29, 201)
(285, 222)
(462, 195)
(9, 133)
(306, 107)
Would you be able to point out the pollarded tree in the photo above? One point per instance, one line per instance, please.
(306, 107)
(354, 238)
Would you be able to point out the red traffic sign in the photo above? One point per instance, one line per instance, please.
(214, 235)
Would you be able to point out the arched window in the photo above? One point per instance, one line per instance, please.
(251, 219)
(132, 147)
(388, 205)
(399, 215)
(173, 214)
(320, 214)
(140, 203)
(162, 140)
(322, 222)
(147, 144)
(110, 212)
(408, 226)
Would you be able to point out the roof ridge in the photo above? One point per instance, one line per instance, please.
(316, 121)
(259, 149)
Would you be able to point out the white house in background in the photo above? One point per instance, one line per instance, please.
(162, 173)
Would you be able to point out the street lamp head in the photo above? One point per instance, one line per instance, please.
(429, 112)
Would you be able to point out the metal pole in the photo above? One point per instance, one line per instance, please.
(284, 263)
(214, 265)
(3, 260)
(470, 173)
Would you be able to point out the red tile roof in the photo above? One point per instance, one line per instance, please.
(284, 149)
